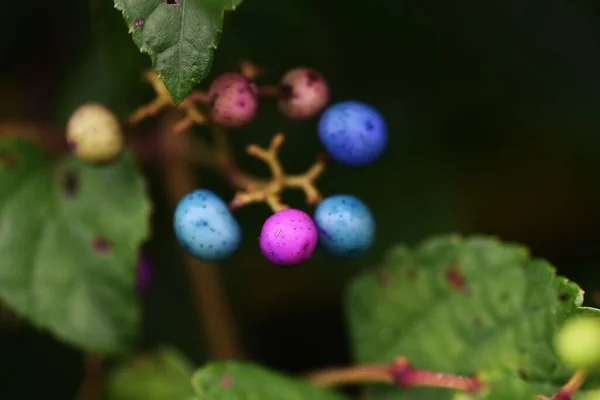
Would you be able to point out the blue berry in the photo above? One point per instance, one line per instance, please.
(205, 227)
(345, 224)
(353, 133)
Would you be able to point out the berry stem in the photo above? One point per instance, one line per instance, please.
(270, 156)
(250, 70)
(271, 191)
(399, 372)
(268, 90)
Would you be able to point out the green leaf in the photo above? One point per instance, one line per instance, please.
(245, 381)
(179, 37)
(462, 306)
(69, 238)
(165, 374)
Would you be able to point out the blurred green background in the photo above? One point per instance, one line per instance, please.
(493, 111)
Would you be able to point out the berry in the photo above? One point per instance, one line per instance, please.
(590, 395)
(578, 342)
(288, 237)
(205, 227)
(303, 93)
(233, 100)
(353, 133)
(143, 274)
(94, 133)
(345, 224)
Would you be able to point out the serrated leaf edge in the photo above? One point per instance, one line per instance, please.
(213, 46)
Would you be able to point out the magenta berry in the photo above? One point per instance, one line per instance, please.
(288, 237)
(303, 93)
(233, 100)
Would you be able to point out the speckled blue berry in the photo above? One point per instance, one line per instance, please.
(346, 226)
(353, 133)
(205, 227)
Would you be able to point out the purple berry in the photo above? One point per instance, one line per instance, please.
(288, 237)
(233, 100)
(143, 274)
(303, 93)
(353, 133)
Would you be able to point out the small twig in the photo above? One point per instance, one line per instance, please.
(270, 156)
(399, 372)
(162, 101)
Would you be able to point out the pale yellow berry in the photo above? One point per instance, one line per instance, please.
(578, 342)
(94, 133)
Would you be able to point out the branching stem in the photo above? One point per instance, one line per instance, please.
(250, 189)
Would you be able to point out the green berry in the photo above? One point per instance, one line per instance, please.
(578, 342)
(591, 395)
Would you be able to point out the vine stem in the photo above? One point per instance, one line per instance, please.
(91, 387)
(399, 372)
(45, 136)
(211, 300)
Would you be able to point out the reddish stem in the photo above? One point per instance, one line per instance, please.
(400, 372)
(570, 388)
(405, 376)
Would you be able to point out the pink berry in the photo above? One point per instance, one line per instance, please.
(303, 93)
(233, 100)
(288, 237)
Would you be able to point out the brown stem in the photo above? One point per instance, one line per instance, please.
(91, 387)
(351, 376)
(211, 301)
(46, 136)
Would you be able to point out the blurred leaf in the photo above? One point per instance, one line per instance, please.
(165, 374)
(179, 35)
(69, 238)
(462, 306)
(244, 381)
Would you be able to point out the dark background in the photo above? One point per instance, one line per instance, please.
(493, 111)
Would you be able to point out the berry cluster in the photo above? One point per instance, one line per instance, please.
(352, 133)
